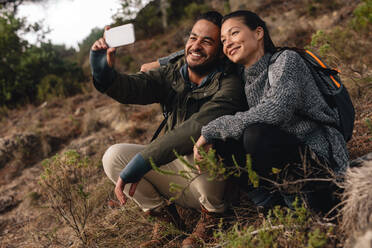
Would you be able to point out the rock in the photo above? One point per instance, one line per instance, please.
(23, 150)
(6, 202)
(43, 105)
(79, 111)
(362, 161)
(251, 5)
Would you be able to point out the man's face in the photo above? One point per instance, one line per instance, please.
(203, 46)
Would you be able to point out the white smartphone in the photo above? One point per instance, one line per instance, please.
(120, 36)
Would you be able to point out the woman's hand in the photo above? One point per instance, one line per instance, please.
(102, 45)
(201, 143)
(150, 66)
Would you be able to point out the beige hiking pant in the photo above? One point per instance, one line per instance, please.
(153, 189)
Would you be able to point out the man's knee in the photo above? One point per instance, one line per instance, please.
(117, 157)
(110, 158)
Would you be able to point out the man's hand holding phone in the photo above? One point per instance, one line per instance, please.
(112, 38)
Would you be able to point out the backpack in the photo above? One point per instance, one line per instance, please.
(331, 87)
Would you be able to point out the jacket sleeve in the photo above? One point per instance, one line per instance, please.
(276, 107)
(227, 100)
(140, 88)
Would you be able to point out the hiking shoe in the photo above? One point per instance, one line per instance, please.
(203, 231)
(166, 215)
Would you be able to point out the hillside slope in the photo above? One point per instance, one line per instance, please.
(90, 122)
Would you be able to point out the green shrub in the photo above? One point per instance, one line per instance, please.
(362, 15)
(53, 86)
(282, 227)
(195, 9)
(148, 21)
(23, 66)
(64, 183)
(369, 126)
(86, 44)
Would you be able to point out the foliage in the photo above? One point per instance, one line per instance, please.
(53, 86)
(369, 125)
(332, 42)
(86, 43)
(315, 7)
(12, 5)
(23, 66)
(128, 10)
(148, 21)
(177, 9)
(66, 188)
(210, 164)
(362, 15)
(339, 54)
(282, 227)
(194, 9)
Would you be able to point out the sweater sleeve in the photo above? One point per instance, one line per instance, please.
(171, 57)
(276, 107)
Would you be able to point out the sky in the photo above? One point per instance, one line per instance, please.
(70, 21)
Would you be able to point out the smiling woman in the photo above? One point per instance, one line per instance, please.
(69, 20)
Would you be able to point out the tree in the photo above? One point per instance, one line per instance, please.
(164, 5)
(12, 5)
(23, 67)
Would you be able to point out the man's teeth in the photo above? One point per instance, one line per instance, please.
(196, 54)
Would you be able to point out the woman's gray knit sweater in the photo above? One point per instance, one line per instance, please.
(291, 101)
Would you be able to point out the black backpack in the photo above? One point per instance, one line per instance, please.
(331, 87)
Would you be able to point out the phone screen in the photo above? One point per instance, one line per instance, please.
(120, 36)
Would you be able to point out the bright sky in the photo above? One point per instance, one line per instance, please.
(70, 20)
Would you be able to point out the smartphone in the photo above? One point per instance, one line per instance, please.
(120, 36)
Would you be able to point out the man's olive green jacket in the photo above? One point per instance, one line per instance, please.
(189, 109)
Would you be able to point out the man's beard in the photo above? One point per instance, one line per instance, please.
(205, 68)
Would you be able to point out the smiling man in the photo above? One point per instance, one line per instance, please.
(195, 91)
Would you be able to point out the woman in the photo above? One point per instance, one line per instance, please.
(285, 116)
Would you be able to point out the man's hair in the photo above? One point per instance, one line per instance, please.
(212, 16)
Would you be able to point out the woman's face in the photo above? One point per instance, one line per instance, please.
(241, 44)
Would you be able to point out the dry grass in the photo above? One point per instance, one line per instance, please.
(33, 224)
(357, 210)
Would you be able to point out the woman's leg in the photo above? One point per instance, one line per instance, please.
(270, 147)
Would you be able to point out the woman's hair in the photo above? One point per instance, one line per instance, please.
(253, 21)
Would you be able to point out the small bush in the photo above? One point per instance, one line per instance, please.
(23, 66)
(65, 185)
(55, 86)
(315, 7)
(282, 227)
(148, 21)
(369, 125)
(195, 9)
(362, 15)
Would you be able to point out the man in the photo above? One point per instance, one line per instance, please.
(195, 91)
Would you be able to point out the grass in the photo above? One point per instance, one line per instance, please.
(281, 227)
(73, 197)
(126, 227)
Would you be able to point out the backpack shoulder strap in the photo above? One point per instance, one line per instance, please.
(166, 112)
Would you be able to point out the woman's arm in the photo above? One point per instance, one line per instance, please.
(162, 61)
(276, 107)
